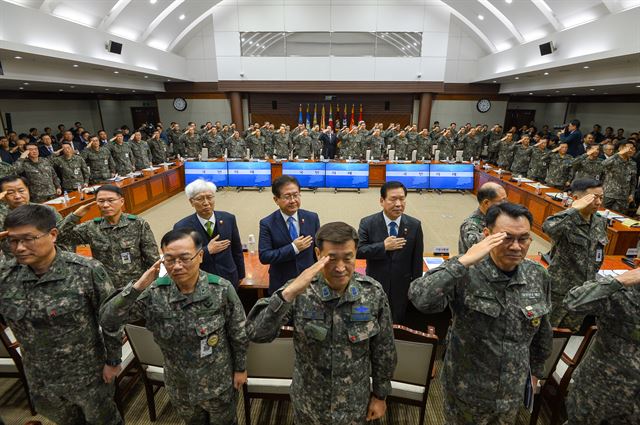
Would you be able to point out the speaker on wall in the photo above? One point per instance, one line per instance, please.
(1, 70)
(114, 47)
(547, 48)
(274, 104)
(387, 105)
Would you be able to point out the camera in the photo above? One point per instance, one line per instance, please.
(560, 126)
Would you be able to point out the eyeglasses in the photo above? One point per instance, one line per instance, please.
(291, 196)
(523, 240)
(201, 199)
(107, 201)
(28, 241)
(185, 261)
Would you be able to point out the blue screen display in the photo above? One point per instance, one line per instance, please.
(354, 176)
(215, 172)
(451, 176)
(413, 176)
(309, 174)
(249, 174)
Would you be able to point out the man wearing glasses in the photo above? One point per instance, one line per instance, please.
(501, 335)
(287, 235)
(124, 243)
(50, 299)
(223, 246)
(197, 320)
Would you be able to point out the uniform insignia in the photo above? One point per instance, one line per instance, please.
(325, 292)
(221, 222)
(360, 313)
(212, 341)
(354, 291)
(97, 219)
(535, 322)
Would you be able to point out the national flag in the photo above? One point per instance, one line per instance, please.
(338, 120)
(331, 115)
(353, 112)
(300, 114)
(322, 121)
(345, 113)
(360, 117)
(308, 117)
(315, 114)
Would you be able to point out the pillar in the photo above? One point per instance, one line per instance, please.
(424, 114)
(236, 110)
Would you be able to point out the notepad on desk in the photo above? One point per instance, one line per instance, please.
(58, 200)
(537, 185)
(629, 222)
(433, 262)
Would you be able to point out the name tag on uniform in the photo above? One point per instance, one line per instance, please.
(106, 162)
(599, 254)
(76, 171)
(126, 155)
(313, 314)
(126, 258)
(205, 348)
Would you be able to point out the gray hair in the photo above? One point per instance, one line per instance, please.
(198, 186)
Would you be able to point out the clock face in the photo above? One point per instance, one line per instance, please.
(483, 105)
(179, 103)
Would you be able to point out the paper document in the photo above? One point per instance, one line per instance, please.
(433, 262)
(536, 185)
(58, 200)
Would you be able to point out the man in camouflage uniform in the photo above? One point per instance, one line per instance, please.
(539, 161)
(44, 183)
(505, 152)
(99, 161)
(343, 334)
(472, 228)
(579, 237)
(302, 145)
(158, 148)
(236, 146)
(412, 138)
(141, 151)
(559, 169)
(446, 145)
(189, 144)
(281, 146)
(50, 299)
(620, 178)
(471, 145)
(424, 145)
(71, 168)
(401, 145)
(521, 157)
(6, 169)
(605, 384)
(501, 335)
(198, 321)
(495, 135)
(588, 165)
(375, 143)
(214, 143)
(124, 243)
(256, 143)
(173, 135)
(122, 155)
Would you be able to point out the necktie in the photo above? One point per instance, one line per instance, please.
(209, 226)
(292, 228)
(393, 229)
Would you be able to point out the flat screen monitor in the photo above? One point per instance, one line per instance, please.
(215, 172)
(309, 174)
(413, 176)
(451, 176)
(347, 175)
(249, 174)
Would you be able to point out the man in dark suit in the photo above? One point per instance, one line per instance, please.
(392, 244)
(329, 142)
(572, 136)
(223, 250)
(47, 148)
(287, 237)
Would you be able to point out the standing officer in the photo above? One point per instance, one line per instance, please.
(392, 244)
(401, 145)
(44, 183)
(539, 161)
(579, 238)
(559, 169)
(158, 148)
(50, 299)
(620, 178)
(141, 151)
(214, 143)
(99, 161)
(198, 321)
(302, 147)
(122, 155)
(236, 146)
(188, 145)
(71, 168)
(521, 156)
(472, 228)
(343, 334)
(501, 336)
(588, 165)
(281, 145)
(124, 243)
(256, 143)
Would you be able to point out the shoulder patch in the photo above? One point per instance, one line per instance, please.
(213, 279)
(97, 219)
(363, 278)
(163, 281)
(132, 217)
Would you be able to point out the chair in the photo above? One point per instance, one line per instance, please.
(150, 360)
(272, 378)
(416, 367)
(11, 362)
(127, 370)
(555, 389)
(561, 337)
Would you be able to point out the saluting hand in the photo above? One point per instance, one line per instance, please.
(215, 245)
(4, 234)
(303, 280)
(3, 194)
(84, 209)
(583, 202)
(148, 276)
(480, 250)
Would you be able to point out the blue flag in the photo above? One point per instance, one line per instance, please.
(300, 114)
(308, 117)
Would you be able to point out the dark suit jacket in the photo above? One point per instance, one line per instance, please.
(574, 140)
(393, 269)
(44, 152)
(274, 247)
(229, 263)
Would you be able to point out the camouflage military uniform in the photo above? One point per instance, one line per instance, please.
(72, 171)
(606, 382)
(256, 146)
(281, 146)
(538, 164)
(189, 146)
(584, 167)
(424, 147)
(159, 152)
(619, 182)
(127, 249)
(401, 146)
(316, 147)
(576, 256)
(215, 145)
(236, 147)
(173, 136)
(375, 145)
(340, 341)
(494, 146)
(141, 154)
(202, 337)
(6, 169)
(471, 148)
(55, 318)
(471, 231)
(500, 332)
(100, 163)
(505, 155)
(559, 170)
(122, 157)
(302, 147)
(412, 142)
(521, 160)
(446, 148)
(43, 180)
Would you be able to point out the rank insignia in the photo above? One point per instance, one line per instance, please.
(212, 341)
(325, 292)
(354, 291)
(535, 322)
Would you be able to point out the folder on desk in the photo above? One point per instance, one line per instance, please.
(433, 262)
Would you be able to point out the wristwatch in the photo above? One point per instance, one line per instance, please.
(113, 362)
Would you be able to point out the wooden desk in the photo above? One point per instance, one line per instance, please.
(621, 237)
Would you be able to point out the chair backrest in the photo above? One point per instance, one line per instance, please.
(560, 339)
(9, 347)
(271, 360)
(144, 347)
(416, 355)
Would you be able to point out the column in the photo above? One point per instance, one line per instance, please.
(424, 114)
(236, 110)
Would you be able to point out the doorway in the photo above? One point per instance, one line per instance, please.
(518, 118)
(144, 114)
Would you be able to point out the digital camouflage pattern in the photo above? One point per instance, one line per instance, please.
(401, 146)
(189, 146)
(55, 318)
(559, 170)
(500, 331)
(236, 147)
(281, 146)
(619, 182)
(605, 384)
(376, 145)
(126, 249)
(538, 164)
(141, 154)
(302, 147)
(6, 169)
(159, 151)
(256, 145)
(73, 171)
(471, 231)
(521, 159)
(122, 157)
(43, 180)
(202, 337)
(4, 244)
(340, 341)
(100, 163)
(505, 154)
(215, 145)
(584, 167)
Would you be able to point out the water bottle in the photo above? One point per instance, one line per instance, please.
(65, 196)
(251, 244)
(80, 192)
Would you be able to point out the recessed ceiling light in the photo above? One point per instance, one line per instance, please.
(573, 94)
(508, 1)
(586, 67)
(481, 17)
(75, 65)
(72, 87)
(17, 57)
(516, 78)
(116, 72)
(60, 90)
(181, 17)
(638, 86)
(106, 89)
(25, 83)
(494, 81)
(557, 91)
(546, 73)
(605, 93)
(133, 91)
(168, 81)
(146, 76)
(592, 89)
(530, 94)
(153, 1)
(20, 88)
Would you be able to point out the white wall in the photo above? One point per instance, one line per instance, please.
(198, 110)
(616, 115)
(27, 113)
(464, 111)
(463, 53)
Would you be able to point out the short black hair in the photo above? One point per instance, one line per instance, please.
(512, 210)
(178, 234)
(282, 181)
(337, 232)
(109, 188)
(13, 178)
(575, 122)
(40, 216)
(391, 185)
(581, 185)
(487, 191)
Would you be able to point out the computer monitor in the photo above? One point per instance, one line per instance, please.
(249, 174)
(309, 174)
(413, 176)
(215, 172)
(347, 175)
(451, 176)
